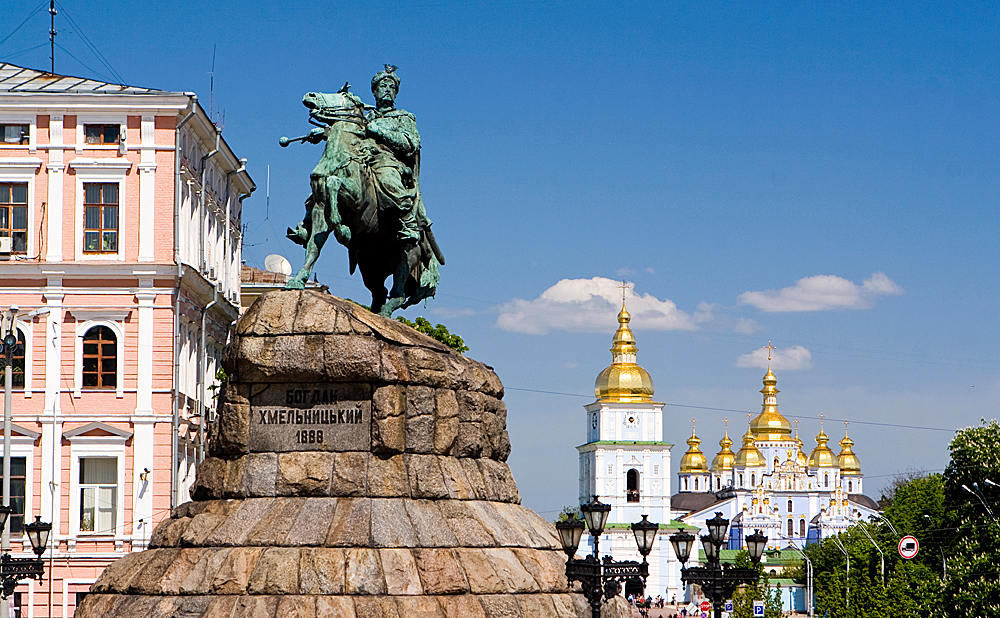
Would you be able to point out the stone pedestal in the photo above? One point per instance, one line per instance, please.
(357, 470)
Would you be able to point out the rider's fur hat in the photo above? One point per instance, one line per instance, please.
(390, 72)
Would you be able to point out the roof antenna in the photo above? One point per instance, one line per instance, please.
(52, 35)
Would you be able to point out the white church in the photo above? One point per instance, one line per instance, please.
(769, 484)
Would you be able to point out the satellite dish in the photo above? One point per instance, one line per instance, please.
(277, 264)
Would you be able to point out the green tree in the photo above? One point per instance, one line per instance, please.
(568, 513)
(438, 331)
(973, 554)
(744, 597)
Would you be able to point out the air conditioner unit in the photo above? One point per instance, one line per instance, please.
(5, 245)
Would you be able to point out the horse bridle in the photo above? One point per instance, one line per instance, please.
(338, 114)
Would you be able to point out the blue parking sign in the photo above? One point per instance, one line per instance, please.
(729, 606)
(758, 608)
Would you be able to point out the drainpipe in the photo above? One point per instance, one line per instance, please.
(225, 264)
(202, 218)
(202, 369)
(175, 418)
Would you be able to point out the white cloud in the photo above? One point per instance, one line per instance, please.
(788, 359)
(651, 270)
(589, 305)
(823, 292)
(452, 312)
(625, 271)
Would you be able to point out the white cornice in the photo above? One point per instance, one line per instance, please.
(21, 164)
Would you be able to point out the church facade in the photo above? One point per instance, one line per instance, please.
(768, 484)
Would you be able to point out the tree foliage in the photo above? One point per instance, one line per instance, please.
(744, 597)
(438, 331)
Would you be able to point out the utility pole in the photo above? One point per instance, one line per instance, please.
(52, 35)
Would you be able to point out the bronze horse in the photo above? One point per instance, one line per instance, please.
(344, 201)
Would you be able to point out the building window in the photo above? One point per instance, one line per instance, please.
(17, 368)
(696, 484)
(102, 133)
(789, 506)
(100, 358)
(685, 484)
(18, 470)
(611, 469)
(753, 480)
(14, 133)
(826, 480)
(802, 527)
(791, 527)
(850, 487)
(718, 483)
(741, 479)
(656, 470)
(14, 214)
(632, 485)
(100, 217)
(98, 494)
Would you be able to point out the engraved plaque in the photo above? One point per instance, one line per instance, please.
(311, 417)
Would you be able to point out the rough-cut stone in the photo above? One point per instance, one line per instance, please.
(425, 523)
(304, 473)
(439, 571)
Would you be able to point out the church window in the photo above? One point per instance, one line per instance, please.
(741, 479)
(753, 480)
(656, 470)
(775, 463)
(632, 485)
(611, 469)
(826, 480)
(685, 484)
(789, 506)
(850, 487)
(718, 483)
(696, 484)
(791, 527)
(802, 527)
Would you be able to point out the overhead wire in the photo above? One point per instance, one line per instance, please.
(30, 15)
(90, 44)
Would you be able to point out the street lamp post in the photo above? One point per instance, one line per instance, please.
(717, 581)
(602, 579)
(8, 345)
(12, 570)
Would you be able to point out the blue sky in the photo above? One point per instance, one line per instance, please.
(823, 177)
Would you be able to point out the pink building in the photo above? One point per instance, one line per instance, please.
(120, 246)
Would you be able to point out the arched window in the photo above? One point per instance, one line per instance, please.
(685, 484)
(696, 484)
(753, 480)
(789, 506)
(826, 480)
(17, 368)
(791, 527)
(632, 485)
(100, 358)
(802, 527)
(741, 479)
(718, 483)
(850, 487)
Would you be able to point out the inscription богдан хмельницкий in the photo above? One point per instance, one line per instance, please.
(311, 417)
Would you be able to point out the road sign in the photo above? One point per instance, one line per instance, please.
(758, 608)
(908, 547)
(706, 606)
(704, 615)
(729, 606)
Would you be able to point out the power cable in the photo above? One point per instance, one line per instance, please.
(93, 48)
(30, 15)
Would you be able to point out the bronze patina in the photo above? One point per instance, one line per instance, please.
(366, 191)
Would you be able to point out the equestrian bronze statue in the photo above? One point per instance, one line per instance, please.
(366, 191)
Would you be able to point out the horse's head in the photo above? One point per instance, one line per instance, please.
(329, 108)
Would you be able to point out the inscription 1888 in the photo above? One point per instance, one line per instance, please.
(310, 417)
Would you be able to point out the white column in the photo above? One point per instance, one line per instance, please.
(51, 441)
(142, 499)
(147, 183)
(54, 243)
(144, 378)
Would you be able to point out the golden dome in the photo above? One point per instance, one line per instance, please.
(822, 456)
(800, 457)
(623, 381)
(694, 460)
(748, 456)
(724, 459)
(770, 424)
(848, 461)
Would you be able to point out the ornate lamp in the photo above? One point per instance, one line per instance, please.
(717, 528)
(645, 533)
(596, 513)
(711, 549)
(756, 543)
(38, 533)
(682, 542)
(570, 532)
(10, 340)
(5, 512)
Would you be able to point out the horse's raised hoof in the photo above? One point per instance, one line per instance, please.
(391, 305)
(295, 284)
